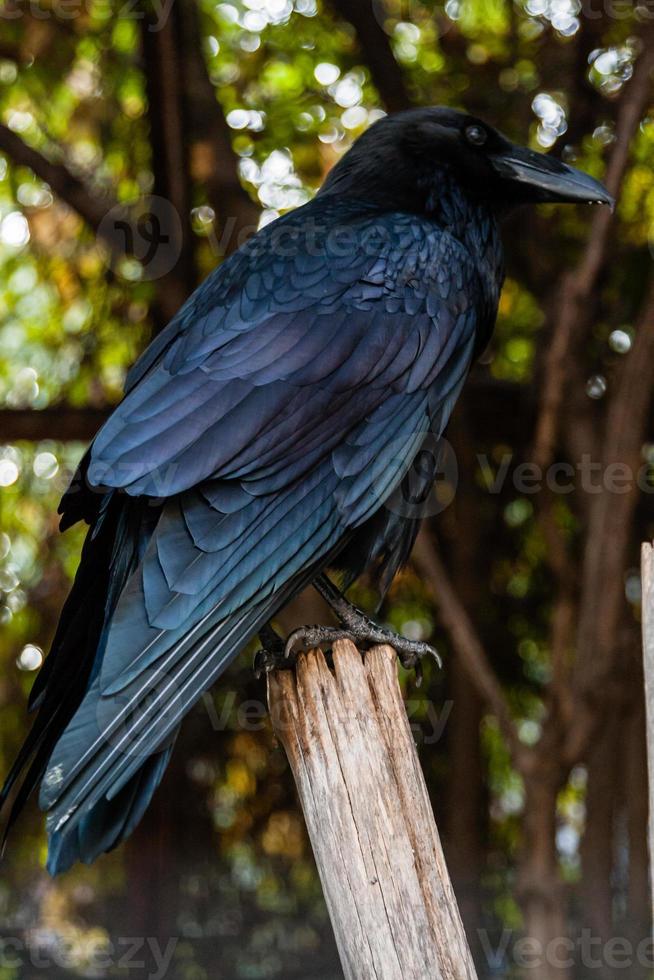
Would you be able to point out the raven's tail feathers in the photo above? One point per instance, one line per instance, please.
(110, 553)
(109, 821)
(96, 792)
(107, 780)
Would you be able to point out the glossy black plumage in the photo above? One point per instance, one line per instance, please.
(261, 439)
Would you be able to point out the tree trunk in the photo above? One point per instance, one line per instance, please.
(463, 836)
(164, 71)
(639, 905)
(597, 849)
(371, 825)
(540, 887)
(466, 809)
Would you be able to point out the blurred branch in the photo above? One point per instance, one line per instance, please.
(86, 201)
(62, 423)
(563, 618)
(465, 641)
(11, 52)
(377, 52)
(574, 305)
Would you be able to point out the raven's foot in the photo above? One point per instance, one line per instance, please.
(364, 633)
(356, 626)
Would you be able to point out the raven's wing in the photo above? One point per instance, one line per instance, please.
(277, 414)
(285, 349)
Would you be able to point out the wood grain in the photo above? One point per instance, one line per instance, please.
(349, 744)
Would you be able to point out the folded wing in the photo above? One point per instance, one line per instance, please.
(272, 418)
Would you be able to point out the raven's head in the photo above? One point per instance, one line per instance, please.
(398, 159)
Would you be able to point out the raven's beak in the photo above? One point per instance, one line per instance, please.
(544, 178)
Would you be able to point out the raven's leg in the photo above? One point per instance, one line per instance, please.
(271, 654)
(356, 626)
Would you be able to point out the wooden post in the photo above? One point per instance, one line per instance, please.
(371, 825)
(647, 576)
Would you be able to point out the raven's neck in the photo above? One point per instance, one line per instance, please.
(471, 221)
(474, 224)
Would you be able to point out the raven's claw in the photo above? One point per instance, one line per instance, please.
(309, 637)
(356, 626)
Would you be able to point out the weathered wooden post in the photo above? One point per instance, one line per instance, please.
(349, 744)
(647, 576)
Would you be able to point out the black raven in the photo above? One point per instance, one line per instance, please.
(260, 441)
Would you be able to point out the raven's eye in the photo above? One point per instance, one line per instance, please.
(476, 135)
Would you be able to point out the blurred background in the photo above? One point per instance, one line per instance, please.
(140, 144)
